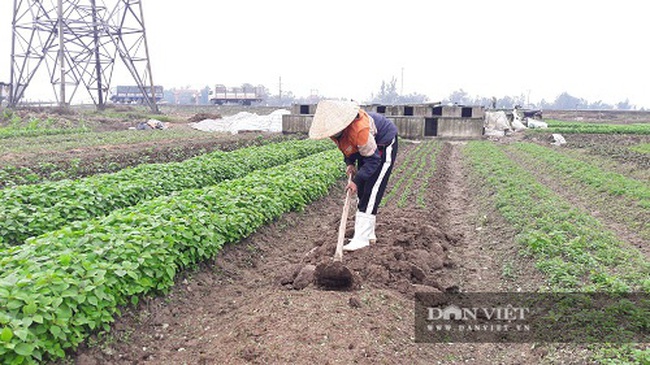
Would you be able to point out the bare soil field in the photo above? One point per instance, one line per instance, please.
(599, 116)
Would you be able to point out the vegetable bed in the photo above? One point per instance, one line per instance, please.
(27, 211)
(58, 288)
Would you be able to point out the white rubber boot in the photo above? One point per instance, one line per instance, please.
(372, 238)
(362, 228)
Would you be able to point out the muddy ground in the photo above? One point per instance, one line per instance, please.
(242, 308)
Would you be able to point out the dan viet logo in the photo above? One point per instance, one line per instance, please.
(477, 319)
(523, 317)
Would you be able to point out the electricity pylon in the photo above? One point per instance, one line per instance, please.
(79, 41)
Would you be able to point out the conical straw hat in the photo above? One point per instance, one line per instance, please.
(332, 116)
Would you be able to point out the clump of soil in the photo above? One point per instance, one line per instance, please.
(333, 275)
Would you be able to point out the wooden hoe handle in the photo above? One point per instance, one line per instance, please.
(338, 255)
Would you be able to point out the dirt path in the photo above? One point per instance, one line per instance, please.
(242, 308)
(490, 256)
(478, 272)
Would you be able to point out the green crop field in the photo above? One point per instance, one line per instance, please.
(197, 243)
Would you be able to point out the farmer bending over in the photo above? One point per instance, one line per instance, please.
(369, 145)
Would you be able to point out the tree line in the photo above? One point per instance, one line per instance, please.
(388, 94)
(564, 101)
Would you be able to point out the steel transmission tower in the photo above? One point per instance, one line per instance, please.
(78, 42)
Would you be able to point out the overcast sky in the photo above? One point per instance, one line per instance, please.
(597, 50)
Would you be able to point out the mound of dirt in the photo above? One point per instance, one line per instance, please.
(407, 257)
(203, 116)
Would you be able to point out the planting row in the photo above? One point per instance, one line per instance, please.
(555, 126)
(422, 170)
(419, 163)
(48, 144)
(570, 246)
(606, 182)
(33, 132)
(615, 196)
(620, 152)
(427, 174)
(59, 166)
(628, 163)
(16, 127)
(34, 209)
(58, 288)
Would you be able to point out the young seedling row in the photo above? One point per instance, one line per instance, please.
(58, 288)
(571, 247)
(31, 210)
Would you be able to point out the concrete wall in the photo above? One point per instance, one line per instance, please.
(447, 111)
(292, 123)
(460, 127)
(409, 127)
(478, 112)
(457, 111)
(449, 125)
(407, 110)
(303, 109)
(415, 110)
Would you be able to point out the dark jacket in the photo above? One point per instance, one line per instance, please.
(368, 165)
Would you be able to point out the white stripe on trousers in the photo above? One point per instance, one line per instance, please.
(384, 169)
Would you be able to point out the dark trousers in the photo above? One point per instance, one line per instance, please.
(372, 191)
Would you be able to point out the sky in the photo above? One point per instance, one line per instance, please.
(596, 50)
